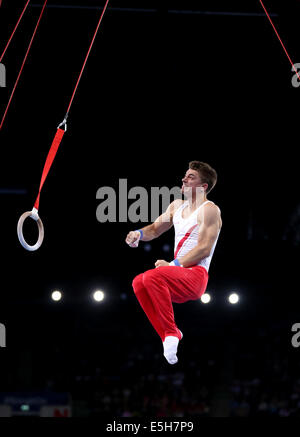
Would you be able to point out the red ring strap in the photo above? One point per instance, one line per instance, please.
(50, 158)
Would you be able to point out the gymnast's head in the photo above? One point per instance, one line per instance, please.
(200, 178)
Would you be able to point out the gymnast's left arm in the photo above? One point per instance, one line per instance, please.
(209, 219)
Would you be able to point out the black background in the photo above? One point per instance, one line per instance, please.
(160, 89)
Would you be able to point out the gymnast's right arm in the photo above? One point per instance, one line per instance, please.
(163, 223)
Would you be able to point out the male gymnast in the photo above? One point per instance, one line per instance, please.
(197, 222)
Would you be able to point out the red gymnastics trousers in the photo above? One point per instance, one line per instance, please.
(156, 289)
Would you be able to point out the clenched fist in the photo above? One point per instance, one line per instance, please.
(133, 238)
(161, 263)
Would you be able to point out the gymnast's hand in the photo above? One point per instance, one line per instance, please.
(133, 238)
(161, 263)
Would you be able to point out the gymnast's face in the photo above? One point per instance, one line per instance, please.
(191, 182)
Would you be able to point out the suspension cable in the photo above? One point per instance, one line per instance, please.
(280, 40)
(18, 22)
(22, 66)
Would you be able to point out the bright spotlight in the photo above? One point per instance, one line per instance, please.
(98, 296)
(56, 295)
(233, 298)
(205, 298)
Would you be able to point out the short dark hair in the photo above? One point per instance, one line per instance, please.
(207, 174)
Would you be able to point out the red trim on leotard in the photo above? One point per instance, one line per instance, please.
(180, 244)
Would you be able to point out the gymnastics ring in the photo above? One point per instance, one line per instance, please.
(34, 215)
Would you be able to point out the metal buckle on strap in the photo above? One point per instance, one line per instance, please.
(63, 123)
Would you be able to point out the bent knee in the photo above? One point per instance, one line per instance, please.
(150, 276)
(138, 282)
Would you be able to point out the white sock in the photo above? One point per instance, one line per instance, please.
(170, 349)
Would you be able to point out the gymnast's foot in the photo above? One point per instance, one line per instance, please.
(170, 348)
